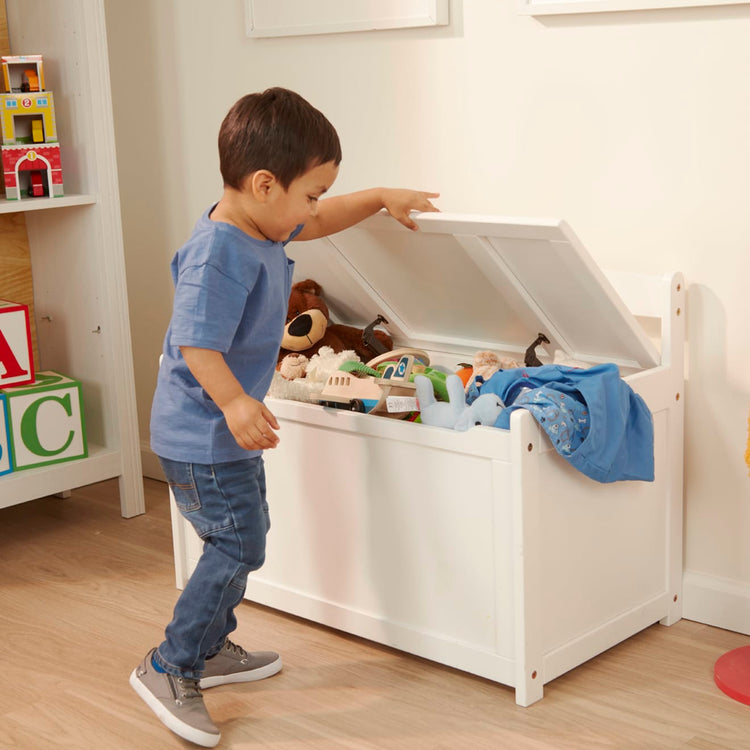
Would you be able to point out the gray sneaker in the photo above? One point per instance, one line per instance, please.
(234, 664)
(177, 702)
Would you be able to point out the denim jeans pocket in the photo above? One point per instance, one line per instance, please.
(180, 478)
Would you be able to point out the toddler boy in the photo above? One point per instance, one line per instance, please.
(209, 425)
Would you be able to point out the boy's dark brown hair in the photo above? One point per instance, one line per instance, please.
(276, 130)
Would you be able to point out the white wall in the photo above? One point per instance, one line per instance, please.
(633, 127)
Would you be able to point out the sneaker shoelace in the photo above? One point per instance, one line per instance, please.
(185, 689)
(234, 649)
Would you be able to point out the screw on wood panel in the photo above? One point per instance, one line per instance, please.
(675, 598)
(676, 396)
(533, 675)
(678, 312)
(530, 447)
(679, 287)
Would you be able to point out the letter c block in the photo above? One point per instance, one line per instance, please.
(46, 421)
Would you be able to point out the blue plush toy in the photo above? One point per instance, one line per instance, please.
(455, 414)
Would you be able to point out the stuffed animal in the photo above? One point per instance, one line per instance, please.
(455, 414)
(293, 366)
(308, 328)
(484, 410)
(484, 365)
(288, 384)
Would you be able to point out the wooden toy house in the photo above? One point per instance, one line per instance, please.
(30, 151)
(29, 118)
(23, 73)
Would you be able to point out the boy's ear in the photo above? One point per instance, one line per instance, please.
(261, 184)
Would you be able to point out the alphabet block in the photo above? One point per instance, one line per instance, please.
(46, 421)
(16, 353)
(6, 465)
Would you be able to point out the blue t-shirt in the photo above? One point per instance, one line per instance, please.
(231, 296)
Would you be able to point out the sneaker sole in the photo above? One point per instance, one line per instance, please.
(179, 727)
(256, 674)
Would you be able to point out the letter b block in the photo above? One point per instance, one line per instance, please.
(45, 420)
(6, 465)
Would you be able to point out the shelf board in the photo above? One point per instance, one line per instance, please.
(21, 486)
(39, 204)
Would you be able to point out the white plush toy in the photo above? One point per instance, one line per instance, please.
(317, 371)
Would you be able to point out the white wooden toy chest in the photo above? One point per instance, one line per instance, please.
(483, 550)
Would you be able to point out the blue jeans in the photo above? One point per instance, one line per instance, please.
(226, 505)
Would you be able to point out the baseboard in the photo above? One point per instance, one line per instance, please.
(721, 602)
(150, 463)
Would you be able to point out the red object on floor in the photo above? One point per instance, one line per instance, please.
(732, 674)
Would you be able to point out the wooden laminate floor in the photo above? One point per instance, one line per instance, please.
(84, 593)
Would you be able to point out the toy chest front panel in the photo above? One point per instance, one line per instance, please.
(382, 535)
(408, 534)
(388, 530)
(407, 537)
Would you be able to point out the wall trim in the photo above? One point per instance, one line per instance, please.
(712, 600)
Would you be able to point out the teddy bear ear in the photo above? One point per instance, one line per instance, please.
(308, 286)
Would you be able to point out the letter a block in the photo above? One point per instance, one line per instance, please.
(16, 354)
(46, 421)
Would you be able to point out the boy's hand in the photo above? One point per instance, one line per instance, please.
(399, 203)
(251, 423)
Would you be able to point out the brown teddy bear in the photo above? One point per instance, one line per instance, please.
(308, 328)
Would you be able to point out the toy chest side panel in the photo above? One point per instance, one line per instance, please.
(604, 555)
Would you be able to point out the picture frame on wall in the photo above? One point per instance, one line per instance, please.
(270, 18)
(559, 7)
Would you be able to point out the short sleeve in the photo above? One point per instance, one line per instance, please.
(208, 307)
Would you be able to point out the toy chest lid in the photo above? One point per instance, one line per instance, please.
(468, 283)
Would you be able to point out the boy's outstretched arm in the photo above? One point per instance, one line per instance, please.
(343, 211)
(249, 420)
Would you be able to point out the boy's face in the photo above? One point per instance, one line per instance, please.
(286, 209)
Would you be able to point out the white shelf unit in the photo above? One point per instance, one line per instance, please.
(77, 254)
(39, 204)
